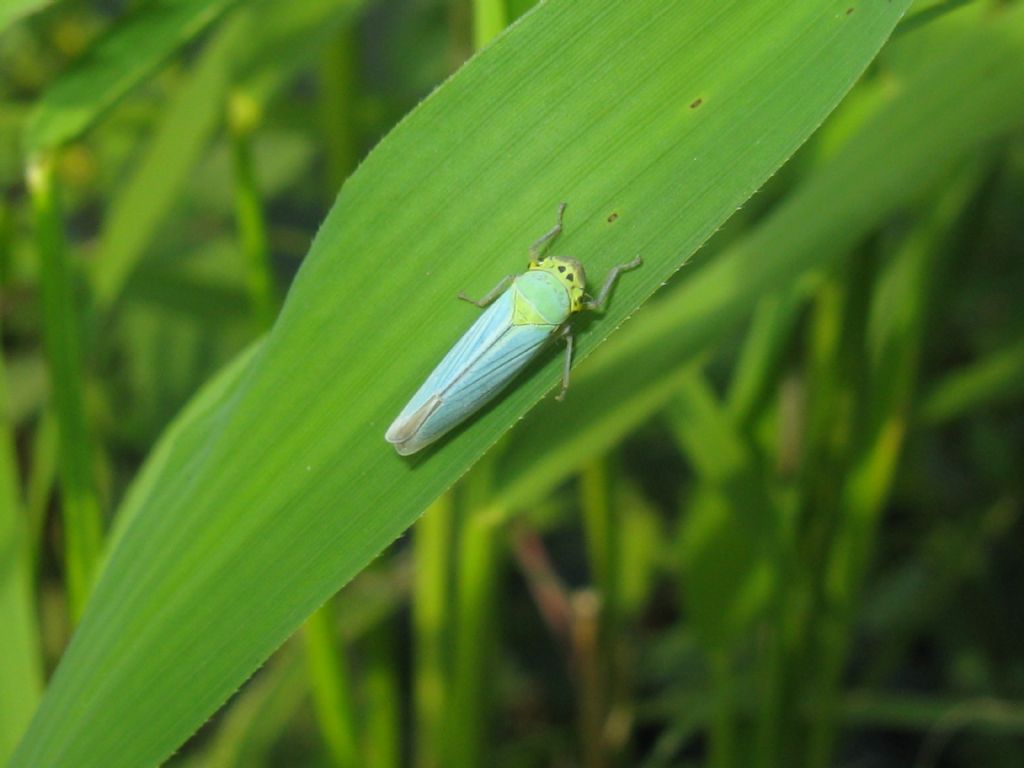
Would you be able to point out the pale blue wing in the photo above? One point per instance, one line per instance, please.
(487, 329)
(496, 367)
(481, 363)
(483, 379)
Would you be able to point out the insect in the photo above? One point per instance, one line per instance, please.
(523, 312)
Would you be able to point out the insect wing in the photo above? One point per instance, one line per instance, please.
(480, 364)
(487, 329)
(493, 370)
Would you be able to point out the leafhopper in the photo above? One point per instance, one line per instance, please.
(521, 315)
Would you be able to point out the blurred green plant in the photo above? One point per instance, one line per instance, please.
(795, 469)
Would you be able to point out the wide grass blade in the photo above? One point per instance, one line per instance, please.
(124, 57)
(912, 138)
(668, 115)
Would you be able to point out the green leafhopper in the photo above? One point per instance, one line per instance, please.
(523, 313)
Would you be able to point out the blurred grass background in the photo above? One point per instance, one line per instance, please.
(793, 542)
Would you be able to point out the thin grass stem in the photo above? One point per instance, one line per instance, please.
(431, 622)
(383, 702)
(243, 118)
(21, 676)
(337, 107)
(490, 17)
(80, 505)
(479, 561)
(330, 683)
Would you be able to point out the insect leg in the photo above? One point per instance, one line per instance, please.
(567, 333)
(542, 242)
(495, 292)
(597, 305)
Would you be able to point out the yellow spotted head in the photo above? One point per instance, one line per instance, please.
(569, 272)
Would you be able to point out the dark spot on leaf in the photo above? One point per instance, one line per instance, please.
(849, 11)
(612, 217)
(569, 278)
(696, 103)
(561, 269)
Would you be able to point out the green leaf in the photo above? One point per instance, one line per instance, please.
(21, 675)
(282, 38)
(913, 137)
(125, 56)
(732, 531)
(182, 440)
(186, 127)
(81, 510)
(995, 379)
(12, 10)
(987, 715)
(669, 115)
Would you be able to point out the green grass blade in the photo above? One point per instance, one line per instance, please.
(181, 441)
(863, 381)
(769, 336)
(331, 683)
(912, 139)
(383, 696)
(250, 218)
(282, 38)
(598, 628)
(21, 675)
(262, 713)
(294, 490)
(730, 532)
(12, 10)
(258, 715)
(706, 434)
(81, 512)
(906, 711)
(605, 403)
(124, 57)
(157, 179)
(902, 312)
(338, 84)
(42, 478)
(480, 559)
(900, 316)
(490, 17)
(997, 378)
(431, 620)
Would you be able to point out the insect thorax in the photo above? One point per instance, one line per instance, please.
(567, 271)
